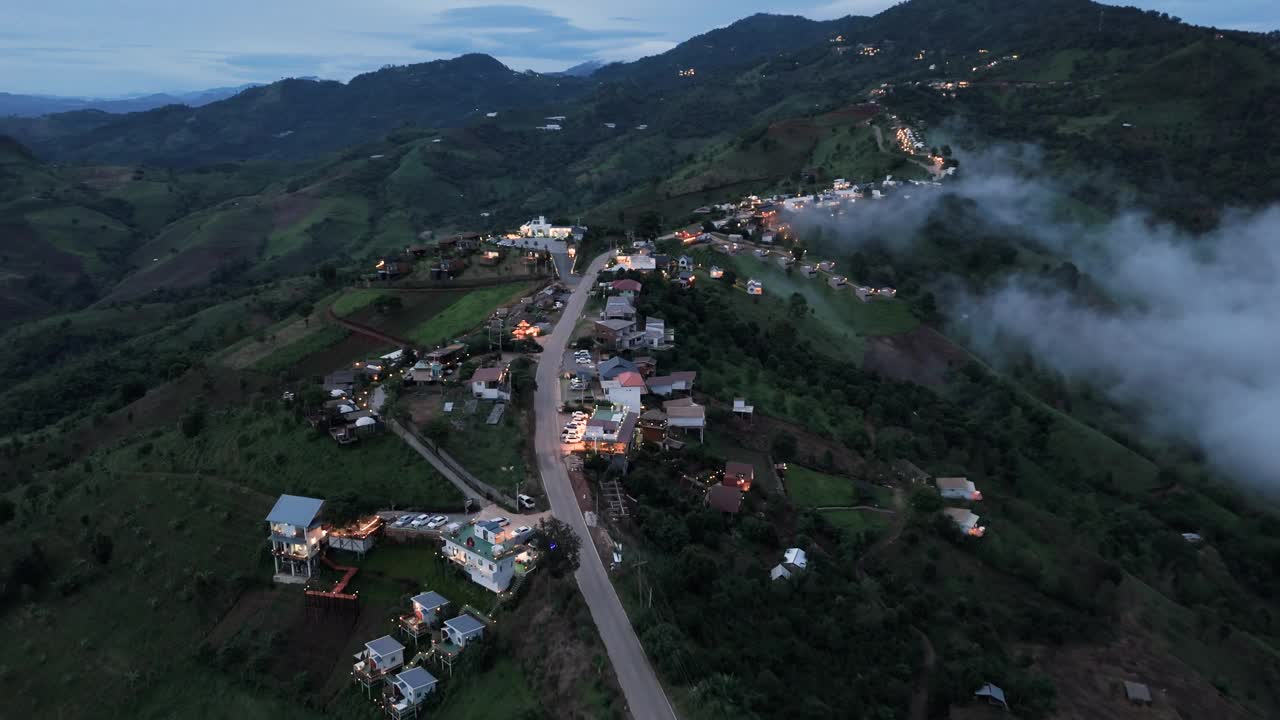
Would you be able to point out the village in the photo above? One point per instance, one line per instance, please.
(618, 402)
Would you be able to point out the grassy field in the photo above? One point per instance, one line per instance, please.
(502, 692)
(275, 452)
(354, 300)
(349, 210)
(810, 488)
(289, 356)
(857, 521)
(465, 314)
(487, 451)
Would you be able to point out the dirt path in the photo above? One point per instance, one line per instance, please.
(367, 331)
(895, 530)
(920, 696)
(868, 508)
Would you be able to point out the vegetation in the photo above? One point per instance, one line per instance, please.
(464, 314)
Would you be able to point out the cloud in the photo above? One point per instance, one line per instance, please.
(1178, 329)
(524, 31)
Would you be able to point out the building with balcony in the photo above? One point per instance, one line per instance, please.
(377, 661)
(296, 537)
(408, 691)
(487, 552)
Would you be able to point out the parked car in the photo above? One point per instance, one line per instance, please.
(579, 415)
(501, 520)
(420, 521)
(527, 503)
(436, 522)
(402, 521)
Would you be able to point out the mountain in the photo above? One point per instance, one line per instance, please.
(584, 69)
(37, 105)
(293, 119)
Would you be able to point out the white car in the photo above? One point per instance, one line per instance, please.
(420, 521)
(583, 361)
(567, 438)
(402, 521)
(500, 520)
(579, 415)
(436, 522)
(525, 502)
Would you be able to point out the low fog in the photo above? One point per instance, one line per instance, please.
(1189, 340)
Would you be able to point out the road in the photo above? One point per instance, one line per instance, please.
(644, 694)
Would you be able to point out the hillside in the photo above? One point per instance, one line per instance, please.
(37, 105)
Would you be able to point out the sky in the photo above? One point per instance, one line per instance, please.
(106, 49)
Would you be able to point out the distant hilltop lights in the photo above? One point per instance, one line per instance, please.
(688, 72)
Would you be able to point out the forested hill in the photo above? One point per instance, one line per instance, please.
(292, 118)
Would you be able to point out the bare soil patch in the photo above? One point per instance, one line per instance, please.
(923, 356)
(288, 210)
(338, 355)
(250, 353)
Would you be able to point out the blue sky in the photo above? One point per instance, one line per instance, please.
(96, 48)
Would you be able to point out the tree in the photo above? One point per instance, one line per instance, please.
(192, 422)
(784, 446)
(101, 548)
(649, 225)
(560, 546)
(797, 306)
(7, 510)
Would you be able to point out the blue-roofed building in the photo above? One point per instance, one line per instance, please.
(378, 660)
(411, 688)
(296, 537)
(993, 694)
(463, 629)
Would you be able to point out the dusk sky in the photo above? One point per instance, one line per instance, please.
(94, 48)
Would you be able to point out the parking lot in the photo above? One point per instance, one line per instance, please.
(428, 524)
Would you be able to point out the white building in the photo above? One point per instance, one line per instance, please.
(965, 520)
(412, 686)
(463, 629)
(297, 539)
(716, 272)
(490, 383)
(755, 287)
(379, 659)
(479, 547)
(539, 227)
(625, 390)
(957, 488)
(637, 263)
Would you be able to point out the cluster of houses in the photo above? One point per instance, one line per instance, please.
(963, 489)
(350, 410)
(730, 486)
(402, 688)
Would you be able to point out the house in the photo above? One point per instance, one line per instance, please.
(637, 263)
(755, 287)
(1137, 693)
(625, 390)
(742, 409)
(653, 427)
(957, 488)
(965, 520)
(626, 287)
(646, 364)
(428, 605)
(808, 271)
(666, 385)
(379, 659)
(463, 629)
(490, 258)
(686, 237)
(468, 240)
(662, 262)
(827, 266)
(296, 537)
(768, 238)
(618, 307)
(613, 332)
(684, 263)
(686, 279)
(490, 383)
(793, 561)
(358, 536)
(427, 608)
(411, 688)
(716, 272)
(615, 366)
(724, 498)
(739, 475)
(687, 415)
(611, 430)
(478, 547)
(392, 267)
(993, 694)
(785, 261)
(1193, 538)
(837, 282)
(656, 334)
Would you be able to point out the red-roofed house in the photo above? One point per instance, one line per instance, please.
(724, 498)
(739, 475)
(626, 287)
(625, 390)
(490, 383)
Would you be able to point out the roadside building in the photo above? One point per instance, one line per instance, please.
(296, 536)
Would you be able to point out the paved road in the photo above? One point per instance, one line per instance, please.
(644, 695)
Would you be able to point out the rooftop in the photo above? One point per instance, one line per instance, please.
(384, 645)
(295, 510)
(430, 600)
(488, 374)
(417, 678)
(469, 539)
(464, 624)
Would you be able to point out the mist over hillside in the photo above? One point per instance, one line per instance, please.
(1177, 327)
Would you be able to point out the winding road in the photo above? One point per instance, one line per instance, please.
(644, 694)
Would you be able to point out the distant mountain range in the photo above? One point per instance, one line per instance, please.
(12, 105)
